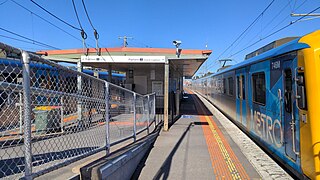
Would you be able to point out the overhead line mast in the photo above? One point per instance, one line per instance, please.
(125, 40)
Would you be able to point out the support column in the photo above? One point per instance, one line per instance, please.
(109, 73)
(166, 96)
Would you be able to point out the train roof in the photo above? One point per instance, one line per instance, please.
(285, 48)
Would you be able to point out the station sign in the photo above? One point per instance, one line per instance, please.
(124, 59)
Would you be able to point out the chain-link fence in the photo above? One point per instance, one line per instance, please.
(51, 115)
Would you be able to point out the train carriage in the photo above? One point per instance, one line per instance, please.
(275, 98)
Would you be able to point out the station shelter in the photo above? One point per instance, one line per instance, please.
(146, 70)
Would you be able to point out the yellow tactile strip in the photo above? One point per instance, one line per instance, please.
(224, 161)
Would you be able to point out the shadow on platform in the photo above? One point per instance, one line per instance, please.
(17, 165)
(188, 106)
(164, 170)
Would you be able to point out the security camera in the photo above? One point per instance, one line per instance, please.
(176, 43)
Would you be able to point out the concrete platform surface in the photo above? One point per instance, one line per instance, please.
(198, 146)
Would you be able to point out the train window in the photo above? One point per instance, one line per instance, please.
(230, 83)
(243, 87)
(224, 86)
(238, 87)
(288, 90)
(259, 88)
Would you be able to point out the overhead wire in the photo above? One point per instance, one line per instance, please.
(284, 27)
(23, 7)
(83, 33)
(141, 43)
(76, 12)
(28, 38)
(24, 41)
(270, 34)
(95, 32)
(255, 20)
(3, 2)
(264, 27)
(61, 20)
(286, 17)
(85, 9)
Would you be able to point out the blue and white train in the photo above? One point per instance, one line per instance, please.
(274, 96)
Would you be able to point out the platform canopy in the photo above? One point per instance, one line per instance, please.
(123, 58)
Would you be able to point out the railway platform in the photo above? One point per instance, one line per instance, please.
(203, 144)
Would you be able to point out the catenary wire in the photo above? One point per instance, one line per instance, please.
(256, 19)
(28, 38)
(87, 14)
(247, 28)
(3, 2)
(267, 25)
(75, 10)
(23, 7)
(24, 41)
(290, 24)
(54, 15)
(213, 63)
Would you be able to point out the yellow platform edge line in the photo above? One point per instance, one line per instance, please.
(232, 168)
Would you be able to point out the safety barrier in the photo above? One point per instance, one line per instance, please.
(51, 115)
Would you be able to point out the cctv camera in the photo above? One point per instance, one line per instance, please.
(176, 43)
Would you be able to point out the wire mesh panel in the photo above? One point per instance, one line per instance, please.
(68, 114)
(152, 108)
(121, 113)
(11, 125)
(61, 115)
(141, 112)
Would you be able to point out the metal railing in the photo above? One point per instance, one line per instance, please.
(51, 115)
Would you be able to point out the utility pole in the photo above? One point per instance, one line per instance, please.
(125, 40)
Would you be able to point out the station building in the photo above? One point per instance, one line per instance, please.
(146, 70)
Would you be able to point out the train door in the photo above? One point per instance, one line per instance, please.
(241, 105)
(288, 109)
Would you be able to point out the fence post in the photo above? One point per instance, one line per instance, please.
(27, 114)
(107, 117)
(148, 119)
(79, 87)
(154, 109)
(134, 117)
(62, 122)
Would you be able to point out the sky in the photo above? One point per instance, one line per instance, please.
(199, 24)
